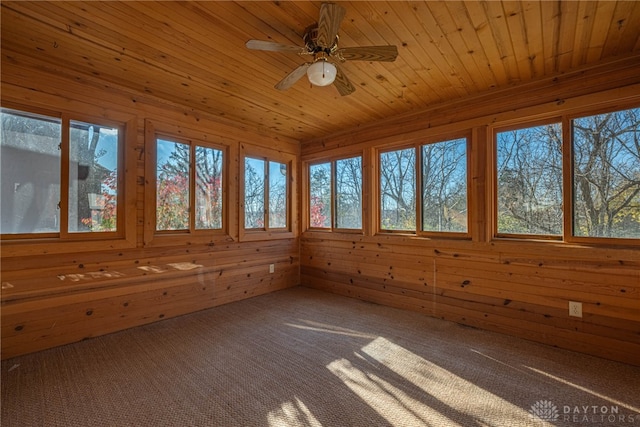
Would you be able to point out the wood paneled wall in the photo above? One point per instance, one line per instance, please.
(521, 288)
(52, 295)
(514, 288)
(55, 293)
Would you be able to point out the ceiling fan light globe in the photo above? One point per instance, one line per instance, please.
(321, 73)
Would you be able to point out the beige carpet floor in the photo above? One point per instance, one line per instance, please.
(301, 357)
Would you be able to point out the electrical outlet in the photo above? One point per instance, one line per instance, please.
(575, 309)
(272, 268)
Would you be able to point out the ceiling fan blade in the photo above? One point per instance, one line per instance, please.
(292, 77)
(342, 83)
(331, 15)
(272, 46)
(368, 53)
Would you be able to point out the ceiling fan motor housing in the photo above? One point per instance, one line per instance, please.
(311, 36)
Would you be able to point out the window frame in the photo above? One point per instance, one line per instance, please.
(565, 118)
(568, 184)
(333, 208)
(420, 203)
(417, 147)
(494, 178)
(378, 177)
(192, 138)
(267, 233)
(65, 241)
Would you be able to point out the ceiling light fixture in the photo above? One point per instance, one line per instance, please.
(321, 73)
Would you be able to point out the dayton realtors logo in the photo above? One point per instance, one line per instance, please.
(546, 410)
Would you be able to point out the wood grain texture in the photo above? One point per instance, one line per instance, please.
(462, 66)
(55, 293)
(517, 287)
(522, 292)
(194, 53)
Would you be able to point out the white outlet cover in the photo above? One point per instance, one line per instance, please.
(575, 309)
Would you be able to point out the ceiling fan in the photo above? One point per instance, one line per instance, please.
(321, 42)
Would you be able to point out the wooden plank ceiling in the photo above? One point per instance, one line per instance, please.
(193, 53)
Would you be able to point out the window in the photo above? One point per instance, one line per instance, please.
(189, 182)
(606, 175)
(398, 190)
(529, 180)
(348, 193)
(572, 179)
(208, 188)
(277, 195)
(31, 171)
(265, 194)
(172, 181)
(93, 177)
(254, 193)
(444, 186)
(423, 189)
(320, 215)
(42, 154)
(335, 194)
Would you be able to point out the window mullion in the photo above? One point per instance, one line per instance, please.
(334, 196)
(63, 206)
(120, 196)
(192, 188)
(419, 190)
(267, 201)
(287, 207)
(567, 179)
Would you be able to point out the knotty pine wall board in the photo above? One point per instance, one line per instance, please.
(58, 293)
(512, 286)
